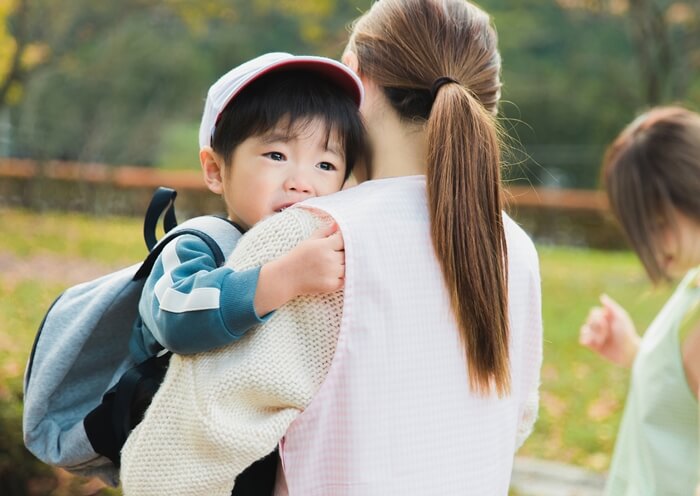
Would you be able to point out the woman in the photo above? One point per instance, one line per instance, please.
(652, 176)
(421, 377)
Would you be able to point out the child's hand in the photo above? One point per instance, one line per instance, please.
(317, 265)
(314, 266)
(610, 332)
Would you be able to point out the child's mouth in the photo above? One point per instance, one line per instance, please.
(283, 207)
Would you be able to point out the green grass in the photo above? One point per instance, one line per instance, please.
(38, 251)
(113, 241)
(581, 395)
(47, 242)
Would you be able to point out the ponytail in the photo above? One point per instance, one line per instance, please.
(464, 200)
(437, 62)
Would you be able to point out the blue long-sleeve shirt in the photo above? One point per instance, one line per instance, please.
(189, 305)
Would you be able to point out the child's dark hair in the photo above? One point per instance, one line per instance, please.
(292, 99)
(651, 169)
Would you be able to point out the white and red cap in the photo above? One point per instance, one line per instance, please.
(230, 84)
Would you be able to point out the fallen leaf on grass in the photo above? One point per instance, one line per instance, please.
(549, 373)
(12, 369)
(555, 406)
(598, 461)
(602, 407)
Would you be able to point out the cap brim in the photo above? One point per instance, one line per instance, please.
(232, 83)
(336, 72)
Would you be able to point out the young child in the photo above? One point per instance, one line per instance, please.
(275, 131)
(652, 176)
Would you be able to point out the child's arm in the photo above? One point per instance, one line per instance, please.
(189, 305)
(610, 332)
(314, 266)
(216, 413)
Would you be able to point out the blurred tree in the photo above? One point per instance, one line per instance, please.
(666, 37)
(40, 33)
(125, 81)
(107, 99)
(28, 42)
(576, 71)
(17, 54)
(562, 98)
(118, 75)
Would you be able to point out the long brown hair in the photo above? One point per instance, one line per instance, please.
(649, 171)
(405, 46)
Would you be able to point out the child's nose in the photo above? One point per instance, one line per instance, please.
(298, 183)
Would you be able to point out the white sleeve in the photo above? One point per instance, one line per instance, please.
(218, 412)
(528, 417)
(532, 351)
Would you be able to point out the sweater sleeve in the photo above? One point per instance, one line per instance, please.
(218, 412)
(190, 305)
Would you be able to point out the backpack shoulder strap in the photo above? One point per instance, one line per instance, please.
(220, 235)
(162, 203)
(133, 393)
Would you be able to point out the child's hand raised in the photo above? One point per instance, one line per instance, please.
(317, 265)
(314, 266)
(610, 332)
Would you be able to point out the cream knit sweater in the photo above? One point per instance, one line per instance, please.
(218, 412)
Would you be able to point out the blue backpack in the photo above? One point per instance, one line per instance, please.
(83, 394)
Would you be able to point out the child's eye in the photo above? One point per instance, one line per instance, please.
(276, 156)
(326, 166)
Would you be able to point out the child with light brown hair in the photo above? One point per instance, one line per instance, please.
(651, 173)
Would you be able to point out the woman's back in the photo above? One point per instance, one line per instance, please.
(397, 404)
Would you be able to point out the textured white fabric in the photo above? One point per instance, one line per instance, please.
(218, 412)
(395, 414)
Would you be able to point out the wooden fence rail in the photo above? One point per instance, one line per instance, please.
(575, 217)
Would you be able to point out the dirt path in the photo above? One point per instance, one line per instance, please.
(534, 477)
(49, 268)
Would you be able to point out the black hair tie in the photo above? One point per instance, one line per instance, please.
(438, 83)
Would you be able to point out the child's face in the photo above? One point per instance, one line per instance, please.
(271, 172)
(680, 245)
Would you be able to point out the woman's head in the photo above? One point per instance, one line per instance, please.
(651, 173)
(437, 65)
(405, 45)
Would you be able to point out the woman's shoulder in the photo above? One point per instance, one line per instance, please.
(520, 245)
(375, 188)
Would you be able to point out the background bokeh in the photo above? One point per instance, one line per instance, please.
(123, 83)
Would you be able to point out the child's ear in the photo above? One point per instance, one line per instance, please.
(212, 165)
